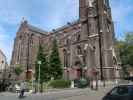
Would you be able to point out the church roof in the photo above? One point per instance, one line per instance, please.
(69, 24)
(36, 29)
(41, 31)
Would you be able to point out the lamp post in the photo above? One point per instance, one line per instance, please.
(1, 86)
(39, 63)
(2, 62)
(33, 81)
(3, 76)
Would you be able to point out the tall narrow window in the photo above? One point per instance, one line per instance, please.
(78, 37)
(31, 39)
(68, 59)
(65, 58)
(19, 51)
(79, 50)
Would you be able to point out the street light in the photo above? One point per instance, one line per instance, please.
(1, 86)
(3, 76)
(39, 63)
(2, 62)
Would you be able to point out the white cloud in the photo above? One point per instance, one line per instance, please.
(120, 10)
(3, 34)
(12, 18)
(58, 14)
(121, 13)
(5, 45)
(2, 30)
(12, 11)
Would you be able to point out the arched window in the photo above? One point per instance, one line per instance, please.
(77, 63)
(65, 58)
(78, 37)
(31, 39)
(67, 41)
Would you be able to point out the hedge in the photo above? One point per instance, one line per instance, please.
(81, 83)
(60, 83)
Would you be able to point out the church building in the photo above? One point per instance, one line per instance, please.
(86, 46)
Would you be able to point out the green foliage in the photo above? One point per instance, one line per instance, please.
(125, 48)
(60, 83)
(44, 68)
(18, 70)
(81, 83)
(55, 63)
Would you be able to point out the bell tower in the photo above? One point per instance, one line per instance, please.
(97, 27)
(88, 17)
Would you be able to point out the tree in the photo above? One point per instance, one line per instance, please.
(55, 63)
(18, 70)
(125, 48)
(44, 68)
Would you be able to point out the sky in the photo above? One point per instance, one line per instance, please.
(51, 14)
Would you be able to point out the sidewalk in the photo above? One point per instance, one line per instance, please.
(52, 91)
(91, 94)
(12, 94)
(7, 93)
(58, 90)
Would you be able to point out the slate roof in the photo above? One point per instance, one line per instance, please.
(41, 31)
(36, 29)
(65, 26)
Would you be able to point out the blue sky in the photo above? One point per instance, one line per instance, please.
(50, 14)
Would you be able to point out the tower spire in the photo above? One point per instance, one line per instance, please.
(24, 20)
(82, 10)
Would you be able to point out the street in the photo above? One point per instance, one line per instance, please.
(72, 94)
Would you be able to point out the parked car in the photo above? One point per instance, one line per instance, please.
(121, 92)
(129, 78)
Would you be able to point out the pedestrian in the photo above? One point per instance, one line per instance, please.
(22, 89)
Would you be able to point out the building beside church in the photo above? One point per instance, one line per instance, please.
(3, 64)
(85, 44)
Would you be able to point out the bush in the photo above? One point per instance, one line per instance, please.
(18, 70)
(60, 83)
(81, 83)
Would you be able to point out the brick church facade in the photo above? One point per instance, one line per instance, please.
(87, 43)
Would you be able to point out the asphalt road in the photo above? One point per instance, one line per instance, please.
(73, 94)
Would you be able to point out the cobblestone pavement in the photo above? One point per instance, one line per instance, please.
(72, 94)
